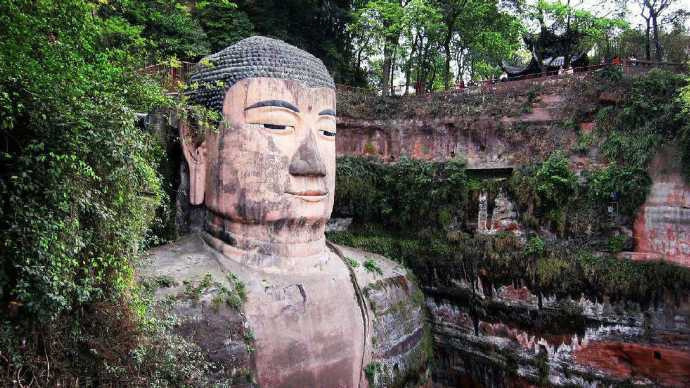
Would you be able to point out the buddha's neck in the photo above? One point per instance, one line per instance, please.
(288, 239)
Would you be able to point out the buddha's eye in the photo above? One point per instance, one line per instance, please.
(327, 133)
(277, 128)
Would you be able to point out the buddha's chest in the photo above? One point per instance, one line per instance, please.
(309, 331)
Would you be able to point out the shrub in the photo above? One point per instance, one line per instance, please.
(408, 195)
(650, 114)
(555, 183)
(627, 185)
(372, 267)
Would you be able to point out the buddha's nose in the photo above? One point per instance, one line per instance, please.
(306, 161)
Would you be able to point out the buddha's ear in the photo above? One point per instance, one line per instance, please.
(195, 154)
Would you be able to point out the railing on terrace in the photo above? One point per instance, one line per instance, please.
(519, 84)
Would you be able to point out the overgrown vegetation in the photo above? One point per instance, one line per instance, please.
(651, 114)
(561, 268)
(79, 189)
(234, 296)
(411, 194)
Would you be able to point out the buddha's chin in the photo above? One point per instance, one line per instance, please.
(309, 214)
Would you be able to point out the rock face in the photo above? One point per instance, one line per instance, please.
(400, 341)
(662, 227)
(521, 344)
(363, 328)
(204, 316)
(498, 131)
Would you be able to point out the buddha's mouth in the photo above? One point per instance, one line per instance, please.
(310, 195)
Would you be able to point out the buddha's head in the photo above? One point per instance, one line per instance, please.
(271, 160)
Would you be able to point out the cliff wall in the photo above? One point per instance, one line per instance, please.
(506, 128)
(596, 327)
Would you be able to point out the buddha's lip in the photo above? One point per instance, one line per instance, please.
(310, 195)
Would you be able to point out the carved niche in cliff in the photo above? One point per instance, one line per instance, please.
(266, 177)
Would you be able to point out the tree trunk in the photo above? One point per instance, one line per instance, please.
(658, 54)
(540, 60)
(446, 65)
(450, 26)
(385, 81)
(392, 76)
(647, 45)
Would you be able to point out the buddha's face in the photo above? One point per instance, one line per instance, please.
(273, 157)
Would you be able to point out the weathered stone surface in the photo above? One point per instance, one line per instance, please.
(485, 141)
(281, 310)
(205, 319)
(641, 363)
(662, 226)
(614, 343)
(401, 346)
(503, 218)
(338, 224)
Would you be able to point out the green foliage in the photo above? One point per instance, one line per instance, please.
(317, 27)
(617, 243)
(410, 194)
(584, 142)
(359, 188)
(194, 290)
(234, 296)
(106, 342)
(627, 185)
(534, 247)
(684, 135)
(421, 37)
(78, 180)
(372, 370)
(546, 191)
(372, 266)
(424, 191)
(167, 27)
(650, 115)
(561, 268)
(352, 262)
(555, 183)
(223, 23)
(610, 74)
(550, 192)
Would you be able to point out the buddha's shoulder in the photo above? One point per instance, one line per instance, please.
(400, 343)
(371, 268)
(189, 257)
(189, 284)
(384, 281)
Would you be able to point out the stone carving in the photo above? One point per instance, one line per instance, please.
(662, 226)
(266, 177)
(504, 218)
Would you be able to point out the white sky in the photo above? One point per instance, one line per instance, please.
(602, 7)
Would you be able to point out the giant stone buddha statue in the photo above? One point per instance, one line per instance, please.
(266, 177)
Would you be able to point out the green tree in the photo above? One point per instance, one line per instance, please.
(383, 20)
(78, 180)
(167, 27)
(559, 29)
(317, 26)
(223, 23)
